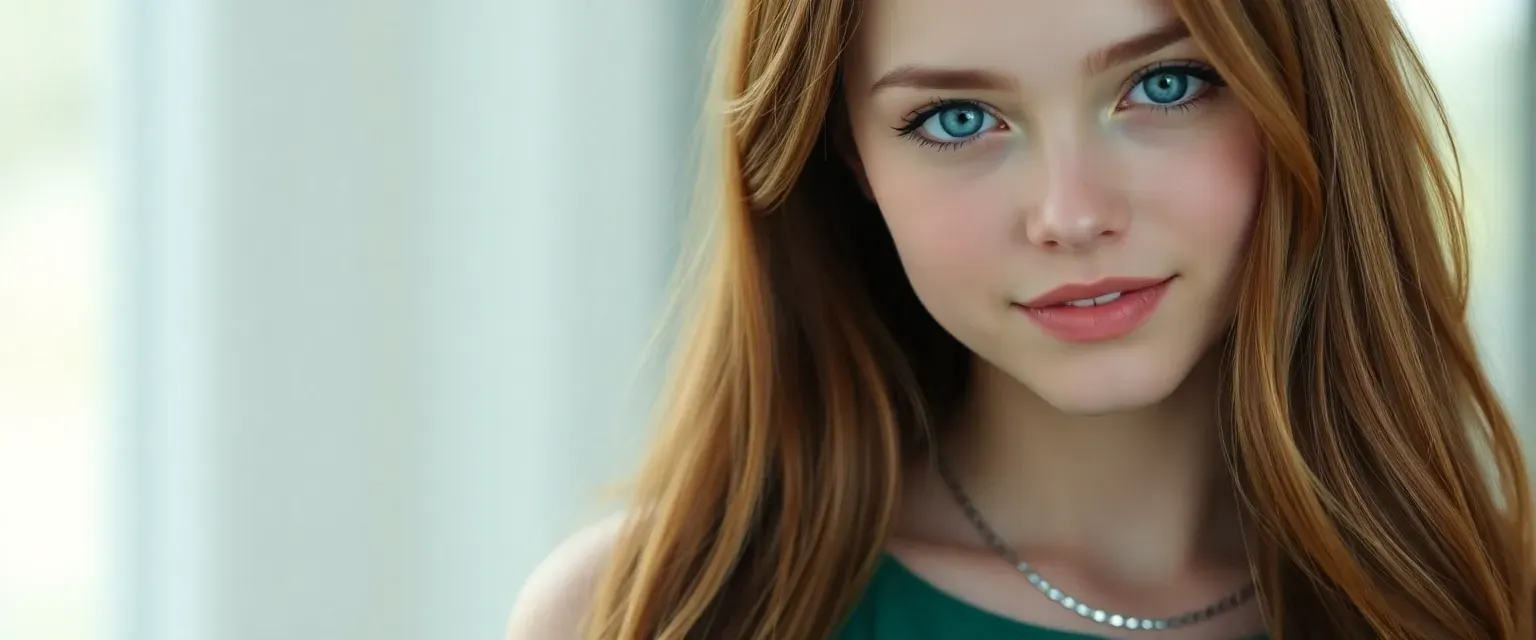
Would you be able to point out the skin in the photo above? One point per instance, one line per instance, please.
(1097, 461)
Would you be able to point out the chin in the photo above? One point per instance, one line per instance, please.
(1074, 402)
(1090, 386)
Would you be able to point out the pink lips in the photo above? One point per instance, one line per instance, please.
(1108, 320)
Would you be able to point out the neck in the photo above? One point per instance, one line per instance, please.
(1143, 494)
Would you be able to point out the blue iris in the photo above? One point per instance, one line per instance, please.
(1165, 88)
(962, 121)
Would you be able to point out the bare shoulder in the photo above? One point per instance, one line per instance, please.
(556, 598)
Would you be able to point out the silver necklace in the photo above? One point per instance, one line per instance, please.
(1072, 604)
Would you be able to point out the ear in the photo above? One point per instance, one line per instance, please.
(843, 143)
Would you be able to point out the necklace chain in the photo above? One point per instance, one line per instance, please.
(1072, 604)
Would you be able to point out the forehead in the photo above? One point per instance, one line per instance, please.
(1025, 37)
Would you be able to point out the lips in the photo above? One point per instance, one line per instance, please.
(1099, 311)
(1102, 290)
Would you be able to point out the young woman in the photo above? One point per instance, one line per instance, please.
(1041, 319)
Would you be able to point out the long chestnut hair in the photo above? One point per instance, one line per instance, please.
(1383, 488)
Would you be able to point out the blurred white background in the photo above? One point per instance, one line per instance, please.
(327, 319)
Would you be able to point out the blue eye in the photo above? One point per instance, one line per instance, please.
(1173, 85)
(1167, 88)
(960, 121)
(950, 123)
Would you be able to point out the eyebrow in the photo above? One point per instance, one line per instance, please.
(918, 77)
(1127, 50)
(938, 78)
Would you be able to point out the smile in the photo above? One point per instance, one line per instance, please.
(1098, 311)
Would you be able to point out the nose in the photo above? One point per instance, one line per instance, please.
(1076, 207)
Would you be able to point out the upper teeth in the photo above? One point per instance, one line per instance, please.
(1089, 302)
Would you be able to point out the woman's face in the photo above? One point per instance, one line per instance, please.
(1069, 184)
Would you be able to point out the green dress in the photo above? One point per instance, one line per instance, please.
(900, 605)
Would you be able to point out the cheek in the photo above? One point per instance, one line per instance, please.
(1206, 194)
(950, 227)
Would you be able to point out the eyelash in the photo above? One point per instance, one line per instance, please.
(915, 120)
(918, 118)
(1197, 70)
